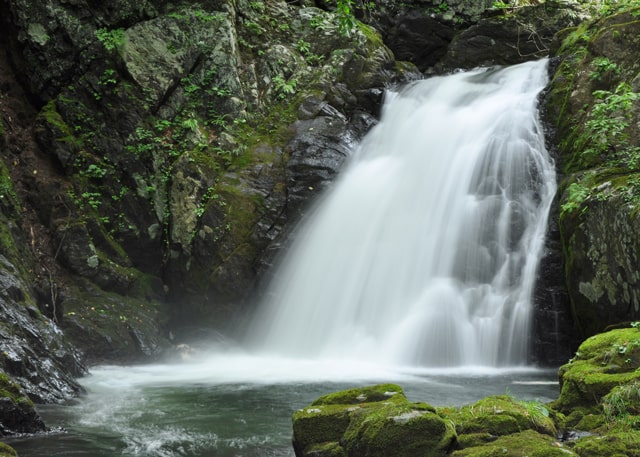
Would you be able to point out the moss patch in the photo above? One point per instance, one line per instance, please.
(371, 421)
(498, 416)
(7, 451)
(527, 443)
(617, 444)
(381, 392)
(602, 363)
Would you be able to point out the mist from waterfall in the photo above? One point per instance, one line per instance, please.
(424, 252)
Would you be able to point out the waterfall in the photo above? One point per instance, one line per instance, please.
(424, 251)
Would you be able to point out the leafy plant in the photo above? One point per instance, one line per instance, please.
(576, 195)
(284, 87)
(304, 48)
(110, 39)
(609, 119)
(604, 65)
(95, 171)
(346, 19)
(108, 78)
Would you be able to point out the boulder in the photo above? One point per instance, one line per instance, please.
(528, 442)
(17, 412)
(501, 415)
(370, 421)
(7, 451)
(596, 377)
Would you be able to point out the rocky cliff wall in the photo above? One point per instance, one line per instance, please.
(594, 103)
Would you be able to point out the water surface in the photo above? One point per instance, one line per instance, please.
(232, 406)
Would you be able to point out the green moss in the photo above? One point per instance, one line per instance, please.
(398, 429)
(528, 443)
(319, 424)
(7, 451)
(617, 444)
(602, 362)
(359, 395)
(501, 415)
(372, 35)
(12, 391)
(54, 119)
(575, 39)
(587, 421)
(372, 421)
(331, 449)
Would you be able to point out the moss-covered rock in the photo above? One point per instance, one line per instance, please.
(527, 443)
(603, 364)
(17, 413)
(498, 416)
(371, 421)
(613, 444)
(7, 451)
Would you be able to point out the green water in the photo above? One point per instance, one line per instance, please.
(226, 411)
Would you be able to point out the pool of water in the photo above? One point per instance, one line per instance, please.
(238, 406)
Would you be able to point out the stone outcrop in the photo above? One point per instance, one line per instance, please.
(370, 421)
(593, 105)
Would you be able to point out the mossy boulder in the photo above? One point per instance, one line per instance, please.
(370, 421)
(500, 415)
(526, 443)
(603, 364)
(7, 451)
(613, 444)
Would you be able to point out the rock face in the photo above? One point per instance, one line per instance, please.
(594, 104)
(17, 413)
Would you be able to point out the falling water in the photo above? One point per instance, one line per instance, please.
(424, 252)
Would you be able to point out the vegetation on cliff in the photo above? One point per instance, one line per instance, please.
(594, 103)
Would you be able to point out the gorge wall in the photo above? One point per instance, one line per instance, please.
(155, 154)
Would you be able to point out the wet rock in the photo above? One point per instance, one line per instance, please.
(370, 421)
(317, 151)
(554, 330)
(17, 413)
(33, 350)
(522, 35)
(597, 194)
(418, 38)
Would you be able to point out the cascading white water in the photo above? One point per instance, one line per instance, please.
(424, 252)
